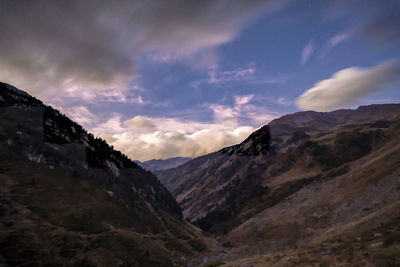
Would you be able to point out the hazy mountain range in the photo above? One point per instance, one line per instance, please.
(163, 164)
(308, 189)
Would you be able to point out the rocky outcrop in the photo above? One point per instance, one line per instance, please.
(257, 143)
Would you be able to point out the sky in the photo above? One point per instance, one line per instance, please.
(161, 79)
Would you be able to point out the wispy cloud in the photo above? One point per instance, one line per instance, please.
(307, 52)
(284, 101)
(81, 115)
(337, 39)
(239, 74)
(244, 99)
(203, 60)
(333, 42)
(119, 95)
(220, 76)
(347, 86)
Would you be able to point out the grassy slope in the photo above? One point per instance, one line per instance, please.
(350, 219)
(55, 211)
(333, 197)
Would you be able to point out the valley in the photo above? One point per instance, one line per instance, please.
(308, 189)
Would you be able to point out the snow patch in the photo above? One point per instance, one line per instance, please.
(110, 193)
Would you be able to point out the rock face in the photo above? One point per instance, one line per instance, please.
(68, 198)
(220, 191)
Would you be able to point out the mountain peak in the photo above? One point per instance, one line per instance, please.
(257, 143)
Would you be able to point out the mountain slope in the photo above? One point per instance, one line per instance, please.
(69, 198)
(347, 218)
(214, 188)
(309, 188)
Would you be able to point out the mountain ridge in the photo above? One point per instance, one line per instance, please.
(68, 198)
(278, 141)
(326, 190)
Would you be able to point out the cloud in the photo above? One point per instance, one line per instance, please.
(379, 21)
(347, 86)
(333, 42)
(284, 101)
(81, 115)
(204, 59)
(337, 39)
(144, 137)
(140, 122)
(238, 74)
(225, 114)
(94, 44)
(307, 51)
(384, 29)
(113, 95)
(241, 100)
(249, 73)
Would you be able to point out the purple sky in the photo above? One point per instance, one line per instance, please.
(160, 79)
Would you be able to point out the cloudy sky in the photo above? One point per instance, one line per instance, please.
(160, 79)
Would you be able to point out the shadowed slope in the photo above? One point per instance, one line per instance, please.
(68, 198)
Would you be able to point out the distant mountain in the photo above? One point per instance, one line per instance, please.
(163, 164)
(325, 185)
(68, 198)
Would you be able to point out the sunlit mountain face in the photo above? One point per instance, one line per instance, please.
(181, 79)
(200, 133)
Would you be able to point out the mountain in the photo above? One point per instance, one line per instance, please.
(68, 198)
(163, 164)
(309, 188)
